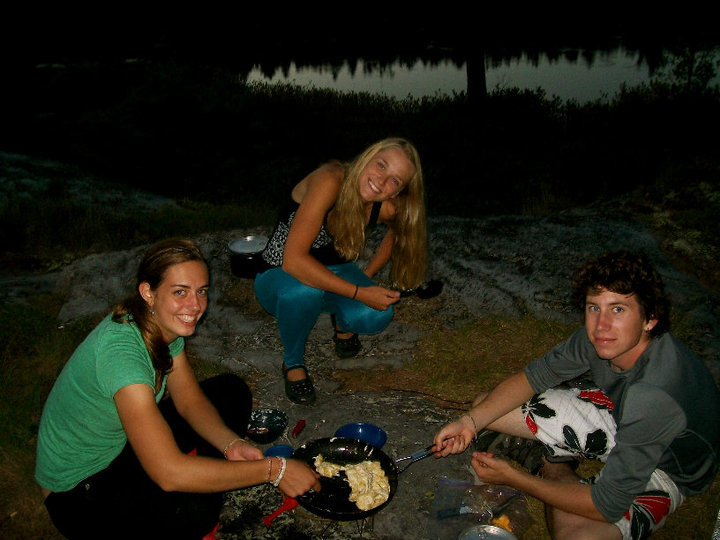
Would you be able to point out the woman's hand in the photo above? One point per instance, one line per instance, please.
(377, 297)
(240, 450)
(454, 438)
(298, 478)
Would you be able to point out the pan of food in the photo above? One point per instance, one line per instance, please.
(357, 478)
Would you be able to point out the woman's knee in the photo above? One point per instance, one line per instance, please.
(276, 290)
(265, 289)
(367, 321)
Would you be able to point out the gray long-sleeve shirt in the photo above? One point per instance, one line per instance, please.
(667, 410)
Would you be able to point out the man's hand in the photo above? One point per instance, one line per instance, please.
(494, 470)
(454, 438)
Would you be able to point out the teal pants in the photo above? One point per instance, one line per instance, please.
(298, 306)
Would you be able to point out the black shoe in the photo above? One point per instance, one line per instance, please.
(533, 461)
(484, 438)
(573, 461)
(301, 392)
(526, 452)
(345, 348)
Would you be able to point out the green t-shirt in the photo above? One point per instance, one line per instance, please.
(80, 429)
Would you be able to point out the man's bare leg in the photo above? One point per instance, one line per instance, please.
(565, 526)
(513, 423)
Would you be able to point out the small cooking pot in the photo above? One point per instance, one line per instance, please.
(246, 255)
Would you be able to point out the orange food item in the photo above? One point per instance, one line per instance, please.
(503, 521)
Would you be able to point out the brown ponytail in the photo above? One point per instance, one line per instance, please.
(158, 258)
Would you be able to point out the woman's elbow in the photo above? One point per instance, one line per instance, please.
(168, 484)
(167, 476)
(291, 265)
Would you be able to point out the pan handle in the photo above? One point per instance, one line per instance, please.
(417, 456)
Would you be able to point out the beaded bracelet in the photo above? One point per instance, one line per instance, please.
(280, 475)
(472, 420)
(228, 445)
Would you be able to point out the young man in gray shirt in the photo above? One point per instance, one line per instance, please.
(649, 413)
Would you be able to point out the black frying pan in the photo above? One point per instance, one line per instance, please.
(333, 500)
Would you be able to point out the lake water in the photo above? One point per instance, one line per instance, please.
(558, 77)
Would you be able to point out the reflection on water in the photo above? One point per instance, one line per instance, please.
(572, 80)
(396, 81)
(562, 77)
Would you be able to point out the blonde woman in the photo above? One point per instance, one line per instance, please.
(313, 249)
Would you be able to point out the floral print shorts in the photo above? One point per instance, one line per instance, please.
(577, 422)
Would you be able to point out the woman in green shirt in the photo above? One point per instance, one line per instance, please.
(116, 461)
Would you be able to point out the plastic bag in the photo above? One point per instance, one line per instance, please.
(458, 505)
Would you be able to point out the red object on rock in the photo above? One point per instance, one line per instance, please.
(288, 504)
(298, 428)
(211, 534)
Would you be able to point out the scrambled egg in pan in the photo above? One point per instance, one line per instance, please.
(368, 482)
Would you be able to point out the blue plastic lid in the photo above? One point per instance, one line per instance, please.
(282, 450)
(365, 432)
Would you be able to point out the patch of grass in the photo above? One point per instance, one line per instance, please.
(46, 232)
(454, 365)
(476, 357)
(33, 352)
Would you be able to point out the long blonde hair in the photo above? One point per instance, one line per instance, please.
(346, 222)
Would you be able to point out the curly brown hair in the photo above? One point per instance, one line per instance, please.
(624, 272)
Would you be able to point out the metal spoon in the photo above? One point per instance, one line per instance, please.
(426, 290)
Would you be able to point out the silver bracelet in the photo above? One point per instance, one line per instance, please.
(228, 445)
(283, 465)
(471, 419)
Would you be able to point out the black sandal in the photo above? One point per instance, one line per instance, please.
(345, 347)
(526, 452)
(573, 461)
(301, 392)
